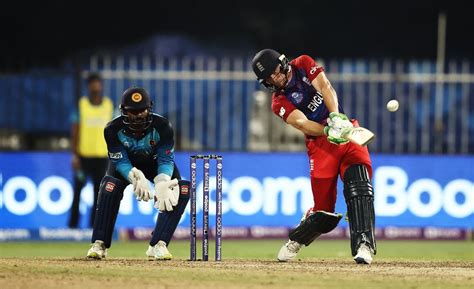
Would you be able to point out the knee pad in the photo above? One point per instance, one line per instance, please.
(168, 221)
(108, 204)
(359, 196)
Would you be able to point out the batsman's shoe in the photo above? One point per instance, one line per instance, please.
(364, 255)
(97, 251)
(161, 252)
(289, 251)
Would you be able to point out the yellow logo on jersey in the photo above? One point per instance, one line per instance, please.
(136, 97)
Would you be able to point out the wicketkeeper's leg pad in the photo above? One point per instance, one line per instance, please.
(359, 196)
(108, 204)
(320, 222)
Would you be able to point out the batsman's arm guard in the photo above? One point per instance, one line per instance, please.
(320, 222)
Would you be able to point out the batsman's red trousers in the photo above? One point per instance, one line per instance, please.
(327, 161)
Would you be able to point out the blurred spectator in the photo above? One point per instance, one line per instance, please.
(89, 149)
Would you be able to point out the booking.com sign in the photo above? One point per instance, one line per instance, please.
(258, 189)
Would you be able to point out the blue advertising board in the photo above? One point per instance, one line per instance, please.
(259, 189)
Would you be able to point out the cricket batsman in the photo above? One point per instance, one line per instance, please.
(141, 148)
(304, 98)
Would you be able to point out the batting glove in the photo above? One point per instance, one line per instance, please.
(336, 136)
(338, 121)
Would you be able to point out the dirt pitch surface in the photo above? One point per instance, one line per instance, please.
(232, 273)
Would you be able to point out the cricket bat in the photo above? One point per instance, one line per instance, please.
(360, 136)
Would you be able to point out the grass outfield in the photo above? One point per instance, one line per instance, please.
(247, 264)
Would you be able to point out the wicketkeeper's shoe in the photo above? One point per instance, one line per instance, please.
(150, 253)
(97, 251)
(364, 254)
(289, 251)
(161, 252)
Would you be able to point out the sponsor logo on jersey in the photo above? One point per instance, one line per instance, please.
(282, 111)
(136, 97)
(115, 156)
(315, 102)
(306, 80)
(184, 189)
(297, 96)
(109, 187)
(313, 70)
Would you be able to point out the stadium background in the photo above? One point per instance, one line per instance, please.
(197, 68)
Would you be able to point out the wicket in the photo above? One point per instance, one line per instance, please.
(205, 227)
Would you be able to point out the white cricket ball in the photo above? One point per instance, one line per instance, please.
(392, 105)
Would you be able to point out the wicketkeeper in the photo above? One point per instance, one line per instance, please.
(141, 148)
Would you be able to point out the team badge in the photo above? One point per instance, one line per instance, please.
(298, 97)
(152, 142)
(136, 97)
